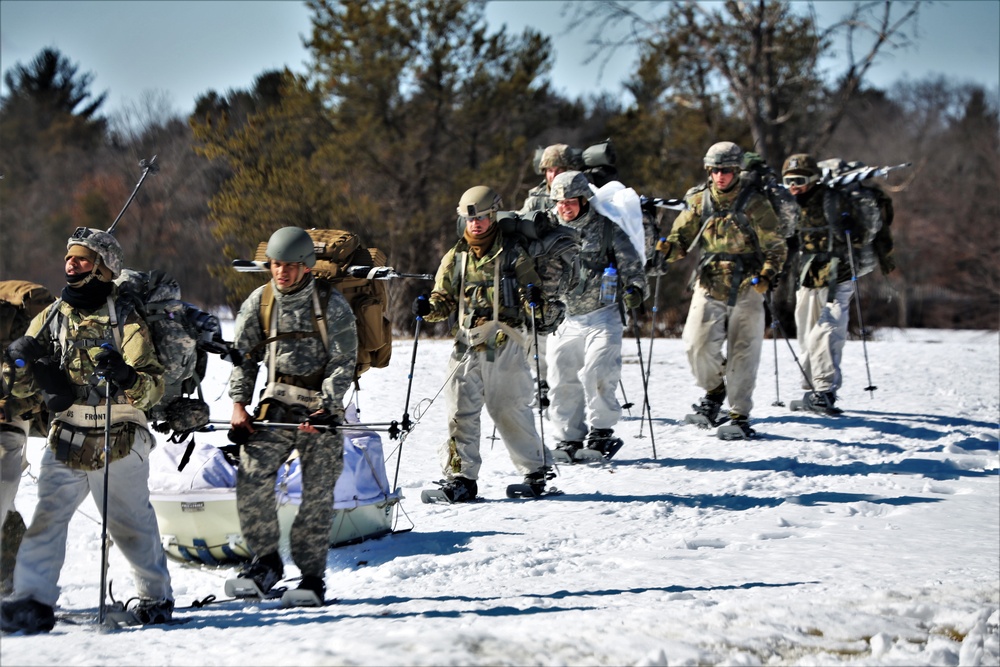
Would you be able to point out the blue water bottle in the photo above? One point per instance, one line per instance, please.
(609, 286)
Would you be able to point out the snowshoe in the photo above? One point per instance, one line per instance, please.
(311, 592)
(257, 579)
(565, 451)
(27, 615)
(820, 402)
(738, 428)
(454, 490)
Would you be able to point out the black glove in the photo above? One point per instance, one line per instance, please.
(111, 366)
(421, 306)
(533, 294)
(232, 355)
(324, 418)
(27, 349)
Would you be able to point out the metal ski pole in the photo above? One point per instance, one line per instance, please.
(647, 412)
(538, 377)
(406, 406)
(857, 302)
(109, 390)
(149, 166)
(774, 337)
(652, 335)
(781, 329)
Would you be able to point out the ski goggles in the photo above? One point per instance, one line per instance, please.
(798, 180)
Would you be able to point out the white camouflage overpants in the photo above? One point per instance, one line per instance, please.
(710, 324)
(585, 367)
(12, 441)
(505, 387)
(131, 524)
(822, 332)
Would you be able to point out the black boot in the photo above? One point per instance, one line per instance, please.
(265, 571)
(460, 489)
(26, 615)
(536, 480)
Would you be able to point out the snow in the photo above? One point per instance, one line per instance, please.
(869, 539)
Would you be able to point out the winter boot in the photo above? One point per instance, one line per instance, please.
(26, 615)
(738, 428)
(153, 612)
(460, 489)
(536, 480)
(311, 592)
(601, 444)
(821, 402)
(264, 571)
(706, 412)
(565, 451)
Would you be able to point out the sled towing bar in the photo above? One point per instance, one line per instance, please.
(392, 428)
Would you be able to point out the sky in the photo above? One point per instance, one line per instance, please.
(867, 539)
(185, 48)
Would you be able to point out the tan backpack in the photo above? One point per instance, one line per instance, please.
(336, 250)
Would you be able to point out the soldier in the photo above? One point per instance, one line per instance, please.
(310, 350)
(742, 250)
(20, 301)
(91, 348)
(585, 361)
(823, 299)
(555, 159)
(488, 365)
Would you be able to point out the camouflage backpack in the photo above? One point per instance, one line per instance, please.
(872, 209)
(176, 328)
(336, 250)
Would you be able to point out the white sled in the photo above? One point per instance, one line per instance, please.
(196, 507)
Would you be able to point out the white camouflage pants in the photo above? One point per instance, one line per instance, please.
(822, 332)
(710, 325)
(12, 464)
(131, 524)
(505, 387)
(585, 367)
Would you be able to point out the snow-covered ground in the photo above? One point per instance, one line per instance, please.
(872, 538)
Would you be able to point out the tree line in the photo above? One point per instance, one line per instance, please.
(408, 104)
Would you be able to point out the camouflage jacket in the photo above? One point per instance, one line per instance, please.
(85, 333)
(330, 372)
(728, 252)
(602, 243)
(537, 200)
(516, 269)
(822, 242)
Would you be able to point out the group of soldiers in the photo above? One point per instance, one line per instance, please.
(91, 362)
(743, 249)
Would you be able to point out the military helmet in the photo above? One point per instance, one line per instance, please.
(800, 163)
(724, 154)
(104, 244)
(556, 155)
(570, 184)
(478, 202)
(291, 244)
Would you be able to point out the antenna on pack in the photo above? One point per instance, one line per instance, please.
(148, 166)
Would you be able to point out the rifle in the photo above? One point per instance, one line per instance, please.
(857, 174)
(368, 272)
(660, 202)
